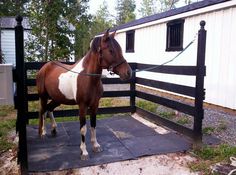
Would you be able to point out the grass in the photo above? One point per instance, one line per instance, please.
(210, 155)
(6, 109)
(167, 115)
(149, 106)
(208, 130)
(183, 120)
(5, 127)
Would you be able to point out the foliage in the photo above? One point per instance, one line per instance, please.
(12, 8)
(101, 21)
(148, 7)
(149, 106)
(168, 4)
(125, 11)
(5, 127)
(53, 24)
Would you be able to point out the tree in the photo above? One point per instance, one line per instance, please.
(168, 4)
(101, 20)
(125, 11)
(148, 7)
(53, 24)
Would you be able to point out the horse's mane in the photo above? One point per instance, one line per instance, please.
(96, 43)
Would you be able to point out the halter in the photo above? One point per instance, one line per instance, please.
(111, 68)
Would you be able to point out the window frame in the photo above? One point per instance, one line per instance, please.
(170, 25)
(129, 49)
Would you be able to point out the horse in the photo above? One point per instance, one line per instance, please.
(80, 84)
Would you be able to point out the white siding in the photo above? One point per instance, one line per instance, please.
(8, 45)
(220, 81)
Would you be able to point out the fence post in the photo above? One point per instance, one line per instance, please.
(200, 93)
(21, 95)
(133, 90)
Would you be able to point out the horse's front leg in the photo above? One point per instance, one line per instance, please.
(95, 145)
(83, 131)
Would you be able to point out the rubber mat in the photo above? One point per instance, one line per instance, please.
(121, 138)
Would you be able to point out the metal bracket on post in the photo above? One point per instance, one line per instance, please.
(200, 93)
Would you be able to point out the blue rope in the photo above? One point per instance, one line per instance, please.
(153, 67)
(138, 70)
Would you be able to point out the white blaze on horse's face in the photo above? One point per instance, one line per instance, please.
(68, 81)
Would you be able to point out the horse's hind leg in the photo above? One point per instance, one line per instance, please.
(50, 107)
(95, 145)
(42, 111)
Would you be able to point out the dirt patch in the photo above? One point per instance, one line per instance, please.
(8, 163)
(175, 163)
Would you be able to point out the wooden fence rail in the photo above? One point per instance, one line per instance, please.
(197, 93)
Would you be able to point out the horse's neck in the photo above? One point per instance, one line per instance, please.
(90, 63)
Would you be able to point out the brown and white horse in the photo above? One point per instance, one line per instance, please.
(80, 84)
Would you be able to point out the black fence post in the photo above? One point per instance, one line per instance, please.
(200, 93)
(21, 95)
(133, 89)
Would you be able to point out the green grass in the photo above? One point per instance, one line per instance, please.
(183, 120)
(5, 127)
(208, 130)
(167, 115)
(209, 155)
(149, 106)
(6, 109)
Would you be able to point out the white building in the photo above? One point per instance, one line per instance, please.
(158, 38)
(7, 25)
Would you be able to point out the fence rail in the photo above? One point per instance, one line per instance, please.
(196, 110)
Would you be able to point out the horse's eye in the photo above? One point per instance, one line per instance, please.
(111, 51)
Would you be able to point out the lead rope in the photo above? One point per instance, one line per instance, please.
(233, 163)
(138, 70)
(171, 60)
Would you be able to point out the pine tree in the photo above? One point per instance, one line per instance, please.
(148, 7)
(101, 21)
(125, 11)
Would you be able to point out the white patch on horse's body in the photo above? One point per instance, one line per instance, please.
(68, 81)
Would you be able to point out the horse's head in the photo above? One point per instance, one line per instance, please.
(110, 55)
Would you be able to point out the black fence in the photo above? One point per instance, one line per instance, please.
(197, 93)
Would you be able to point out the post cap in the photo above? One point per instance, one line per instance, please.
(202, 24)
(19, 19)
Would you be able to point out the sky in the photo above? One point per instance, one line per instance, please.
(94, 6)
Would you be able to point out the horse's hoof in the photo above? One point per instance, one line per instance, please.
(97, 149)
(54, 132)
(84, 157)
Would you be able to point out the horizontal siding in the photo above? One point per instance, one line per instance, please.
(220, 80)
(8, 45)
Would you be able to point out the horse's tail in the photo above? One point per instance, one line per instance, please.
(40, 80)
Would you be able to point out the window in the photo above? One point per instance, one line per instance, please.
(130, 41)
(174, 37)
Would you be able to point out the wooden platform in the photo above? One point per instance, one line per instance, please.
(121, 137)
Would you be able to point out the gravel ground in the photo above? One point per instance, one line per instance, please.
(218, 122)
(224, 124)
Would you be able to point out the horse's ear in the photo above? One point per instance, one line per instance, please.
(113, 34)
(105, 36)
